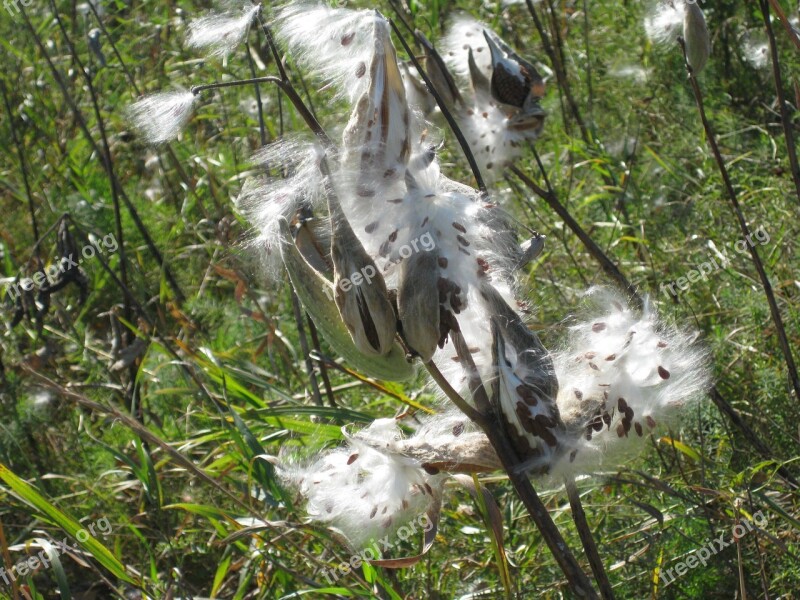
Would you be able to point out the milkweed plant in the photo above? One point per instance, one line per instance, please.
(402, 268)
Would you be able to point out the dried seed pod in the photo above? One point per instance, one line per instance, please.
(438, 73)
(418, 302)
(515, 82)
(695, 35)
(316, 293)
(360, 291)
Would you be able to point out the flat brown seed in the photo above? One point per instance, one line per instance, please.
(459, 227)
(638, 427)
(651, 422)
(347, 38)
(462, 240)
(598, 327)
(458, 429)
(572, 455)
(442, 262)
(620, 430)
(352, 459)
(611, 357)
(621, 404)
(663, 373)
(361, 69)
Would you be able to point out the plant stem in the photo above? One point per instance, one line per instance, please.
(786, 120)
(587, 539)
(576, 579)
(180, 297)
(597, 253)
(473, 165)
(611, 269)
(762, 274)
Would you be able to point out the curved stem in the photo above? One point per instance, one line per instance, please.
(783, 341)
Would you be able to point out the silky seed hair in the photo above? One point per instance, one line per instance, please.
(221, 32)
(161, 117)
(285, 179)
(622, 373)
(365, 489)
(488, 125)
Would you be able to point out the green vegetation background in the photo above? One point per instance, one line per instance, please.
(194, 511)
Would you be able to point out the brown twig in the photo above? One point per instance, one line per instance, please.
(597, 253)
(783, 341)
(96, 148)
(611, 269)
(576, 579)
(561, 74)
(786, 120)
(587, 539)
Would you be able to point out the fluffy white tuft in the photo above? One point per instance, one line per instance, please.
(335, 44)
(756, 51)
(487, 126)
(220, 33)
(365, 489)
(621, 375)
(263, 200)
(664, 22)
(161, 117)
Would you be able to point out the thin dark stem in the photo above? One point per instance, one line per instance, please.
(576, 579)
(597, 253)
(129, 76)
(290, 92)
(454, 396)
(323, 368)
(605, 262)
(561, 73)
(785, 22)
(90, 139)
(132, 395)
(587, 539)
(451, 122)
(762, 274)
(309, 364)
(23, 168)
(262, 128)
(786, 119)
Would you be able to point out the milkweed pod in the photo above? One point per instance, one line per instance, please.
(695, 34)
(439, 73)
(360, 292)
(316, 294)
(418, 303)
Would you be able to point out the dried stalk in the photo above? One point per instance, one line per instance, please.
(783, 341)
(786, 120)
